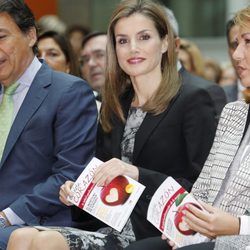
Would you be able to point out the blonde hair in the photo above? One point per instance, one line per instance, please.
(242, 17)
(117, 81)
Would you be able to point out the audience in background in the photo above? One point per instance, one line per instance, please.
(228, 75)
(212, 70)
(75, 34)
(191, 58)
(215, 92)
(93, 61)
(57, 52)
(153, 124)
(51, 22)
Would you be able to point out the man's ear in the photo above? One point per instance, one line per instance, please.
(32, 36)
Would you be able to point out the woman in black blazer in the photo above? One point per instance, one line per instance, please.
(151, 126)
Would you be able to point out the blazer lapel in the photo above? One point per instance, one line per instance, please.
(31, 103)
(147, 127)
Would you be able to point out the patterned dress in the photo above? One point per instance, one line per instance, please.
(107, 238)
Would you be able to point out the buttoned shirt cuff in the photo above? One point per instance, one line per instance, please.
(12, 217)
(244, 224)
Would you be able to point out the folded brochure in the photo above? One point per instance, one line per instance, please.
(112, 203)
(165, 211)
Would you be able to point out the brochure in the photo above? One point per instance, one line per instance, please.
(165, 211)
(112, 203)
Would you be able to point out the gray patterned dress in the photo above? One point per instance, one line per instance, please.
(107, 238)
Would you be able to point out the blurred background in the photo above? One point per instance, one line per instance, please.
(201, 21)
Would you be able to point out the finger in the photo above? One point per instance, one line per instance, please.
(68, 185)
(208, 207)
(101, 174)
(65, 190)
(196, 224)
(171, 243)
(65, 201)
(107, 172)
(201, 214)
(164, 237)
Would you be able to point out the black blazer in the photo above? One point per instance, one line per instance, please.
(174, 143)
(216, 92)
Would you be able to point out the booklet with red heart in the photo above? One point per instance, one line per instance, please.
(112, 203)
(166, 208)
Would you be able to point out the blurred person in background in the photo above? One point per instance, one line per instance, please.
(212, 70)
(191, 58)
(51, 22)
(75, 34)
(215, 92)
(93, 61)
(228, 75)
(57, 52)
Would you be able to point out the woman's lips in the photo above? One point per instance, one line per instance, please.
(135, 60)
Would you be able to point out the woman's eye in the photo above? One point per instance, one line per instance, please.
(52, 54)
(122, 41)
(247, 41)
(144, 37)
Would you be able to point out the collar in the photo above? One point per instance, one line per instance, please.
(29, 74)
(179, 66)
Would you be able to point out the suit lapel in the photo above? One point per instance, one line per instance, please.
(31, 103)
(148, 125)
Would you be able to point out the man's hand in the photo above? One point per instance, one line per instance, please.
(65, 191)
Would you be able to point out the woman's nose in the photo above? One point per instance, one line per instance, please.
(133, 45)
(238, 53)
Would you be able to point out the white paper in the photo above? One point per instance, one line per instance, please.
(164, 211)
(111, 204)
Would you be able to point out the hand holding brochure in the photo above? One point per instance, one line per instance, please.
(111, 204)
(165, 211)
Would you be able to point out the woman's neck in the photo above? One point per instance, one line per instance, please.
(144, 87)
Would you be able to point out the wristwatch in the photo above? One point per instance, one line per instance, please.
(3, 222)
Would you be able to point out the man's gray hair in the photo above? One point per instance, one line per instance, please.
(172, 21)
